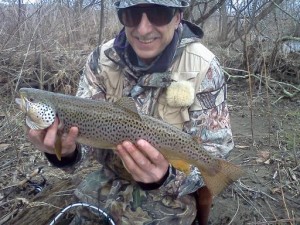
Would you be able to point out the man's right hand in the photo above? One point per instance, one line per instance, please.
(44, 140)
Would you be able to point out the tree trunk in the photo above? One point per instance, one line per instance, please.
(223, 28)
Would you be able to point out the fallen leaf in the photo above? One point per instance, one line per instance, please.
(3, 147)
(292, 174)
(275, 174)
(242, 146)
(263, 157)
(264, 154)
(275, 190)
(260, 160)
(23, 200)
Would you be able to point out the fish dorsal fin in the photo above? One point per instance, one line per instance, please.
(197, 139)
(128, 104)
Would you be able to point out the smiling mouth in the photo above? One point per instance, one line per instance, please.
(146, 41)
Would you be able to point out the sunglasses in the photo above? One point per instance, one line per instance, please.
(157, 15)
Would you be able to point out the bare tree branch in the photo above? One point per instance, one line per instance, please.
(210, 12)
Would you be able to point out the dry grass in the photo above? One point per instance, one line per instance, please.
(48, 47)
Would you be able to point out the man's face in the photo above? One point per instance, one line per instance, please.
(149, 40)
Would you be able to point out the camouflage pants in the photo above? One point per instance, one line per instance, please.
(128, 204)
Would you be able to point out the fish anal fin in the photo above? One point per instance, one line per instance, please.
(180, 165)
(220, 178)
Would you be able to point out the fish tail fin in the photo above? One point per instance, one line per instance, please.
(220, 176)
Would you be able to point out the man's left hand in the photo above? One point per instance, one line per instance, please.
(144, 162)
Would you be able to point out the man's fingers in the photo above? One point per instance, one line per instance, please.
(150, 152)
(45, 140)
(137, 155)
(36, 137)
(159, 165)
(69, 141)
(143, 161)
(129, 162)
(36, 134)
(72, 135)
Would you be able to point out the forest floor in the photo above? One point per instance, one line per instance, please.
(268, 194)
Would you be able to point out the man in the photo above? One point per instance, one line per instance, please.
(158, 60)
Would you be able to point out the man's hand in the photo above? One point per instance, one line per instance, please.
(44, 140)
(145, 163)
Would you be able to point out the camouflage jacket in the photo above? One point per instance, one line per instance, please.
(108, 76)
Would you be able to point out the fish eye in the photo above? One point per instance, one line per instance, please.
(31, 99)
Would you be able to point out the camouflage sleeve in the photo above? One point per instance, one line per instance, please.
(90, 85)
(211, 125)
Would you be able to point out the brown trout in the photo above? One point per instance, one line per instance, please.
(104, 125)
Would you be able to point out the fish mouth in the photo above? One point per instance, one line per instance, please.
(21, 102)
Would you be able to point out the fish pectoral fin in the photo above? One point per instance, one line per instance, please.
(180, 165)
(58, 147)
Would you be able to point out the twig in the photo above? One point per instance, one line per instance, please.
(21, 183)
(249, 201)
(267, 78)
(238, 207)
(276, 221)
(284, 11)
(278, 142)
(271, 209)
(101, 25)
(8, 216)
(7, 163)
(29, 177)
(280, 83)
(282, 194)
(294, 150)
(4, 155)
(236, 157)
(68, 192)
(250, 88)
(38, 204)
(286, 84)
(281, 97)
(256, 191)
(234, 69)
(7, 187)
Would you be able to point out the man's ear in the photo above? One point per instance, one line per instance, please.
(178, 17)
